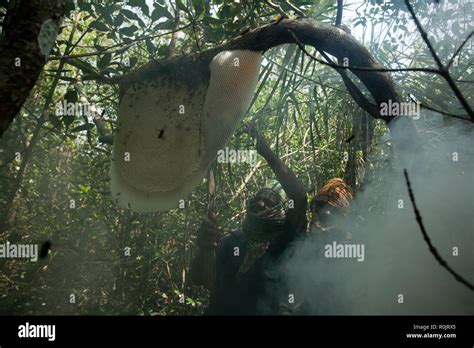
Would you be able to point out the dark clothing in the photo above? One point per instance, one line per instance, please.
(260, 289)
(232, 295)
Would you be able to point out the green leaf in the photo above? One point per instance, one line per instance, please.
(88, 77)
(71, 96)
(105, 13)
(108, 71)
(83, 65)
(100, 26)
(181, 6)
(103, 62)
(67, 78)
(139, 3)
(83, 127)
(68, 120)
(118, 20)
(133, 61)
(55, 121)
(146, 10)
(159, 12)
(128, 31)
(133, 16)
(136, 3)
(225, 11)
(85, 6)
(199, 7)
(168, 25)
(70, 6)
(149, 46)
(84, 188)
(211, 21)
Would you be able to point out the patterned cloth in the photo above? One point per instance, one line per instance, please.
(265, 220)
(336, 193)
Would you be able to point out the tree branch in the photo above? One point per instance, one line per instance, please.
(442, 69)
(427, 239)
(451, 61)
(355, 92)
(36, 134)
(174, 36)
(439, 111)
(294, 8)
(327, 38)
(340, 7)
(277, 8)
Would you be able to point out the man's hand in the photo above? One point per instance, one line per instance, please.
(209, 233)
(262, 147)
(293, 186)
(250, 130)
(203, 267)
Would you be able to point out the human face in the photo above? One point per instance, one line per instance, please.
(325, 217)
(264, 204)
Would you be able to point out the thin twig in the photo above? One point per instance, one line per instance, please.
(427, 239)
(170, 50)
(91, 54)
(340, 7)
(128, 45)
(424, 35)
(354, 91)
(294, 8)
(451, 61)
(443, 71)
(359, 68)
(424, 106)
(277, 8)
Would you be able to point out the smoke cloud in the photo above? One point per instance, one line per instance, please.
(399, 275)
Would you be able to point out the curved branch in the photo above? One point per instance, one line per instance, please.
(354, 91)
(327, 38)
(427, 239)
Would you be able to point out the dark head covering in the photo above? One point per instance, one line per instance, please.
(336, 193)
(265, 222)
(266, 213)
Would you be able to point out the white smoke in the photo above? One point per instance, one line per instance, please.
(397, 259)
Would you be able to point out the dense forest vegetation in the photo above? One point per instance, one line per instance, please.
(54, 182)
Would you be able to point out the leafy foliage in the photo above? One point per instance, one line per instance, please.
(302, 107)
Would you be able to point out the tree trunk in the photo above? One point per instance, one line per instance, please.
(21, 60)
